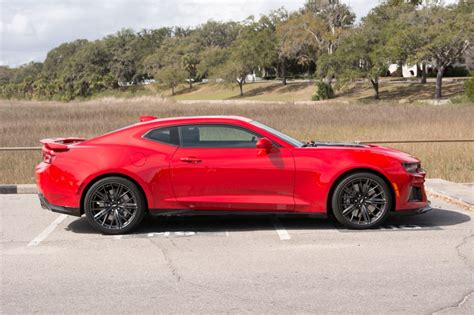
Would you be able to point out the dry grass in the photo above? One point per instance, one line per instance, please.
(24, 123)
(270, 91)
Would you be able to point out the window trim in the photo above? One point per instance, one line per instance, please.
(258, 136)
(205, 124)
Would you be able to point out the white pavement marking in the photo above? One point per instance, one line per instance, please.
(282, 232)
(43, 235)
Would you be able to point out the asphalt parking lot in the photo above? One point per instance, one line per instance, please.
(55, 264)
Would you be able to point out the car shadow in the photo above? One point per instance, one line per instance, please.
(435, 219)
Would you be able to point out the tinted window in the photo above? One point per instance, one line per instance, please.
(168, 135)
(217, 136)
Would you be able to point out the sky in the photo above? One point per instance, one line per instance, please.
(30, 28)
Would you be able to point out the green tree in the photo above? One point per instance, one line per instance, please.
(364, 52)
(216, 34)
(171, 76)
(124, 61)
(266, 38)
(210, 59)
(294, 43)
(316, 31)
(243, 59)
(190, 62)
(448, 34)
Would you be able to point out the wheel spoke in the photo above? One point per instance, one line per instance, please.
(350, 208)
(117, 218)
(365, 187)
(376, 201)
(117, 192)
(101, 213)
(365, 213)
(123, 195)
(101, 196)
(105, 219)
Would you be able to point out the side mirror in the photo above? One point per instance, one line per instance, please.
(264, 143)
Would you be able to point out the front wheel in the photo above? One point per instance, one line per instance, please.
(361, 201)
(114, 205)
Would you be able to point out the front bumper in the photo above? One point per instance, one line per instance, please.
(59, 209)
(414, 211)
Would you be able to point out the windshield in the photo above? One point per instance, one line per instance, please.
(277, 133)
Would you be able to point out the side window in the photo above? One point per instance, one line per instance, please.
(217, 136)
(167, 135)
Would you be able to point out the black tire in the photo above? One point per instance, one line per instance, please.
(114, 205)
(361, 201)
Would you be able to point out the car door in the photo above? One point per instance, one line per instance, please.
(218, 167)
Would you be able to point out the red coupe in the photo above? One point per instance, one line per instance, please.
(222, 164)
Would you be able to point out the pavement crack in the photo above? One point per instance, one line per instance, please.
(466, 261)
(458, 304)
(463, 257)
(169, 262)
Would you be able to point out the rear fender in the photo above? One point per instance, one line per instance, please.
(121, 173)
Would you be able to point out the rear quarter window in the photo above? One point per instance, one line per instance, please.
(168, 135)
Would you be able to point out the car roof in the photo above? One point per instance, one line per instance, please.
(209, 118)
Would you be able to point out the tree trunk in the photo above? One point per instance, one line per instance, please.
(439, 83)
(172, 90)
(241, 83)
(375, 85)
(283, 71)
(423, 73)
(190, 84)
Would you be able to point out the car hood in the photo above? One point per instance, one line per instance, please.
(372, 148)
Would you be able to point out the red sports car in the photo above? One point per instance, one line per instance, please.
(217, 164)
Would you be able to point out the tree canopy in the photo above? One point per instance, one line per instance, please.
(321, 40)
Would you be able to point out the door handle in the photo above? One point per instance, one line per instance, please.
(191, 159)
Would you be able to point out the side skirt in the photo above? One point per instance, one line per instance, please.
(189, 212)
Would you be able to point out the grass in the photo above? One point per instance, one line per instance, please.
(269, 91)
(24, 123)
(272, 91)
(399, 90)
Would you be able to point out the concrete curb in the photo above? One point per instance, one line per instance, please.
(19, 189)
(449, 199)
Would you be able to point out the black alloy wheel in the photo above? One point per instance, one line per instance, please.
(361, 201)
(114, 205)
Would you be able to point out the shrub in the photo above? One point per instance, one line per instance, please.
(469, 87)
(452, 71)
(323, 91)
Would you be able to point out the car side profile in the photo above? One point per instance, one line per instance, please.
(222, 164)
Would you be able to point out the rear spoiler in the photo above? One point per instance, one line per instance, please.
(147, 118)
(59, 144)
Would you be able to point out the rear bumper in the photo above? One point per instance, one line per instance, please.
(59, 209)
(58, 187)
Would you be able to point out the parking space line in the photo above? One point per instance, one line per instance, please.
(43, 235)
(282, 232)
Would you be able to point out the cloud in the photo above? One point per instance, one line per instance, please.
(29, 28)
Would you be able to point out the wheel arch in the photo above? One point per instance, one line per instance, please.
(353, 171)
(102, 176)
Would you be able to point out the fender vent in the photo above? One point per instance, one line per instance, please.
(415, 194)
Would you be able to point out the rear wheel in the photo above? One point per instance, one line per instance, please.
(114, 205)
(361, 201)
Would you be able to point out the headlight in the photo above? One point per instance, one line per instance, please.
(411, 167)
